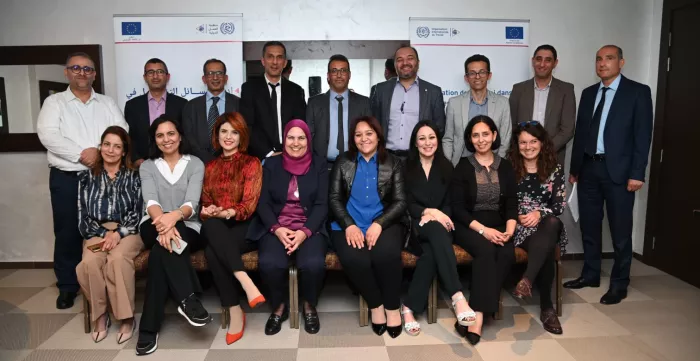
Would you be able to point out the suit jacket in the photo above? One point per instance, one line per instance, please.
(138, 117)
(313, 195)
(318, 116)
(196, 128)
(458, 118)
(627, 133)
(560, 113)
(257, 108)
(431, 107)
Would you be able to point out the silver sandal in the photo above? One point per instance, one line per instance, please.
(409, 326)
(466, 318)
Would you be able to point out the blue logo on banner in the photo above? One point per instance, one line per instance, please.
(131, 28)
(227, 28)
(515, 32)
(423, 32)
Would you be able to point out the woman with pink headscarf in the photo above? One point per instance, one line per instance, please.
(290, 222)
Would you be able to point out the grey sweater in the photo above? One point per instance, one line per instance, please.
(188, 188)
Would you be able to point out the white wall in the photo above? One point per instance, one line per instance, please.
(576, 28)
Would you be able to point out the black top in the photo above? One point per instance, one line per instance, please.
(138, 117)
(464, 191)
(431, 192)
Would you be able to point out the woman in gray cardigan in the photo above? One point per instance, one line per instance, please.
(171, 182)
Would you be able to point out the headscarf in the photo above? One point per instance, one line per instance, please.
(300, 165)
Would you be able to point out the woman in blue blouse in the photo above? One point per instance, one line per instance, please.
(109, 210)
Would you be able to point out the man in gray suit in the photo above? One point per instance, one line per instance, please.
(399, 103)
(330, 114)
(478, 100)
(547, 100)
(199, 114)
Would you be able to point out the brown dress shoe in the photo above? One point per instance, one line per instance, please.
(523, 289)
(550, 321)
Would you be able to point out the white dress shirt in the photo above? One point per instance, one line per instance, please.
(539, 108)
(66, 126)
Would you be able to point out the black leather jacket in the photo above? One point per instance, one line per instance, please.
(390, 186)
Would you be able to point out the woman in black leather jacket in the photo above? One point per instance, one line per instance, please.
(367, 204)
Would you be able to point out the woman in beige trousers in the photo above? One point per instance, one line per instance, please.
(109, 209)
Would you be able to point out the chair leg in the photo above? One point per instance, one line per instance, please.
(432, 301)
(293, 298)
(364, 313)
(560, 290)
(499, 315)
(225, 317)
(86, 314)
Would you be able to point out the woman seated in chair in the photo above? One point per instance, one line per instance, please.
(109, 208)
(171, 181)
(368, 203)
(541, 199)
(485, 209)
(231, 189)
(428, 177)
(290, 223)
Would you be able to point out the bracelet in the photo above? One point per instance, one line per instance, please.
(228, 214)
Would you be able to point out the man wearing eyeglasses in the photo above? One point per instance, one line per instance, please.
(329, 114)
(547, 100)
(142, 110)
(70, 126)
(399, 103)
(199, 114)
(478, 100)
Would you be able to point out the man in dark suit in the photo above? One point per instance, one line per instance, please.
(267, 104)
(609, 159)
(199, 115)
(399, 103)
(330, 114)
(389, 72)
(140, 112)
(547, 100)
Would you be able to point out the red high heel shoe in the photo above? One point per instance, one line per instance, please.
(231, 338)
(256, 301)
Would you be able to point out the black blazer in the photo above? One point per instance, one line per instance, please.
(318, 116)
(256, 108)
(138, 117)
(627, 133)
(431, 107)
(432, 192)
(196, 128)
(313, 195)
(463, 191)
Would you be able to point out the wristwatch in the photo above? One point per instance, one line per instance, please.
(481, 231)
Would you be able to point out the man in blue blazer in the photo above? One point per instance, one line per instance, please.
(609, 160)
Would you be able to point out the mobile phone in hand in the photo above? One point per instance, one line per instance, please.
(97, 247)
(183, 244)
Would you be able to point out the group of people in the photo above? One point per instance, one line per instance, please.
(364, 177)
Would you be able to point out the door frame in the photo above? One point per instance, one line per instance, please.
(654, 195)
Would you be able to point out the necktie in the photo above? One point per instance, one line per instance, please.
(341, 132)
(273, 100)
(213, 114)
(592, 144)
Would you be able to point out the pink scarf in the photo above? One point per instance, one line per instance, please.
(300, 165)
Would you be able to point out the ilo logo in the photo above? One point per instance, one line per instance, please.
(227, 28)
(423, 32)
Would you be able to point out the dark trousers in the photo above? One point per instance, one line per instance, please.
(595, 188)
(310, 259)
(439, 258)
(168, 274)
(377, 273)
(490, 267)
(68, 245)
(225, 244)
(540, 257)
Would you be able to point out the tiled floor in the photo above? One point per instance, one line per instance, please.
(660, 320)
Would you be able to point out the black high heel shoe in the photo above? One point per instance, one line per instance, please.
(394, 331)
(472, 338)
(379, 328)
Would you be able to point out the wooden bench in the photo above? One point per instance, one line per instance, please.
(250, 263)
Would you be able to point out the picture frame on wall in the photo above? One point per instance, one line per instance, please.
(47, 88)
(4, 129)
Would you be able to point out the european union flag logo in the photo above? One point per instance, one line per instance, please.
(515, 32)
(131, 28)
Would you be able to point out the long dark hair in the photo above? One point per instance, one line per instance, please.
(413, 165)
(154, 152)
(126, 141)
(381, 142)
(490, 123)
(546, 160)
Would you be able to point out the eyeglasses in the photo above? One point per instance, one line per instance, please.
(155, 72)
(341, 71)
(531, 122)
(480, 73)
(213, 74)
(76, 69)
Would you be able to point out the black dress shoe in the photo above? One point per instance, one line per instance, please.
(613, 297)
(379, 328)
(274, 323)
(311, 322)
(581, 283)
(394, 331)
(461, 330)
(471, 337)
(147, 343)
(65, 299)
